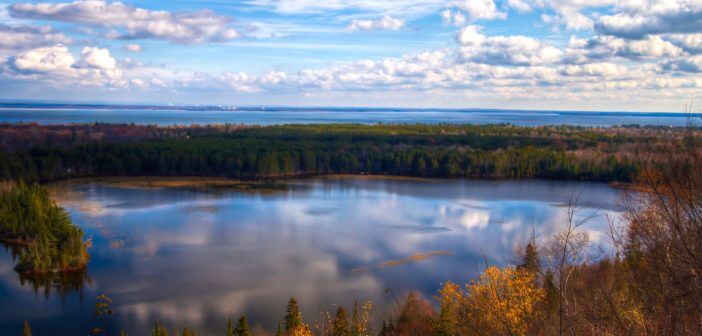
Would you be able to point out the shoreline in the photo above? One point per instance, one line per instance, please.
(26, 243)
(282, 182)
(629, 186)
(66, 270)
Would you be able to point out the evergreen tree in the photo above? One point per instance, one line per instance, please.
(293, 316)
(230, 328)
(242, 327)
(531, 259)
(280, 331)
(159, 330)
(187, 332)
(26, 330)
(355, 321)
(552, 296)
(341, 325)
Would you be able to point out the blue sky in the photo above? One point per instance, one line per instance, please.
(531, 54)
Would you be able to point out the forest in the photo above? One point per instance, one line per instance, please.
(44, 238)
(235, 151)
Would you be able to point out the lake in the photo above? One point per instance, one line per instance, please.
(193, 257)
(273, 116)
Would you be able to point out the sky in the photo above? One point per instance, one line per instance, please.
(631, 55)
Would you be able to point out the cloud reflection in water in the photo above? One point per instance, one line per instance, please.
(198, 258)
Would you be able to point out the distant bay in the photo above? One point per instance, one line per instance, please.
(186, 115)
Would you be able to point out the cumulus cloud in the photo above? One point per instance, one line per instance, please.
(98, 58)
(506, 50)
(45, 59)
(651, 17)
(691, 43)
(605, 69)
(571, 14)
(96, 67)
(690, 65)
(606, 47)
(129, 22)
(384, 23)
(480, 9)
(135, 48)
(25, 37)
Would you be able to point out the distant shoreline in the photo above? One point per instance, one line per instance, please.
(263, 108)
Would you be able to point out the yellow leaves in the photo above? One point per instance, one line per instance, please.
(449, 298)
(502, 301)
(301, 330)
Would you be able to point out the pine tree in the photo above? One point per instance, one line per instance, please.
(552, 297)
(230, 328)
(355, 321)
(187, 332)
(26, 330)
(159, 330)
(341, 325)
(242, 327)
(280, 331)
(531, 259)
(293, 317)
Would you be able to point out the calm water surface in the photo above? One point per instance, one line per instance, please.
(196, 258)
(339, 115)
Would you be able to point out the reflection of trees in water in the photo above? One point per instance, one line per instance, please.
(59, 283)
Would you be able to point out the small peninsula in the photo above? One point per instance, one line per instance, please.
(46, 239)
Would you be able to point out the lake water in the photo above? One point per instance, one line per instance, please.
(271, 116)
(195, 258)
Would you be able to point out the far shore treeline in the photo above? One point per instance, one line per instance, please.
(44, 153)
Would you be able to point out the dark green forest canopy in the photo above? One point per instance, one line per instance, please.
(486, 151)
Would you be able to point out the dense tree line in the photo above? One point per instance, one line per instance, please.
(408, 150)
(22, 136)
(49, 240)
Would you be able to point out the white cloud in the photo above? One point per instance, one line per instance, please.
(99, 58)
(605, 69)
(453, 18)
(384, 23)
(135, 48)
(25, 37)
(505, 50)
(480, 9)
(608, 47)
(566, 13)
(636, 19)
(45, 59)
(131, 22)
(471, 36)
(691, 43)
(690, 64)
(56, 64)
(521, 6)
